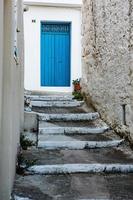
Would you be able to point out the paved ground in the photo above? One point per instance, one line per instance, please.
(79, 186)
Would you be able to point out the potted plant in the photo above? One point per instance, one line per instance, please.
(76, 84)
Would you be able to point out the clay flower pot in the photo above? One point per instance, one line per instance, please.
(77, 87)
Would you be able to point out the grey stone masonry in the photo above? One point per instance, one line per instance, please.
(107, 61)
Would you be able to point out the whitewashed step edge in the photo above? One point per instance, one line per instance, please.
(72, 130)
(78, 145)
(69, 117)
(15, 197)
(81, 168)
(58, 104)
(50, 98)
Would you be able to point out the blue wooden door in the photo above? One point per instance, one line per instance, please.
(55, 54)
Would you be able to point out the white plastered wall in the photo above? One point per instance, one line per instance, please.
(11, 92)
(32, 43)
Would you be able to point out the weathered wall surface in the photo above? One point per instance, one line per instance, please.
(11, 92)
(107, 59)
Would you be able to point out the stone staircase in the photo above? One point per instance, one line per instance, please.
(51, 144)
(72, 141)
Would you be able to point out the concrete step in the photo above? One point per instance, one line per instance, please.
(103, 156)
(76, 137)
(50, 97)
(81, 168)
(60, 104)
(69, 117)
(69, 124)
(72, 130)
(59, 110)
(78, 145)
(82, 186)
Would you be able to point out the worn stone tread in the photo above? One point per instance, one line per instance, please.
(75, 187)
(105, 155)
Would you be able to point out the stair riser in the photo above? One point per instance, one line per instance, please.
(72, 131)
(50, 98)
(20, 198)
(57, 104)
(78, 145)
(69, 117)
(81, 168)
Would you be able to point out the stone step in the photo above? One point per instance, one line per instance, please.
(82, 186)
(59, 110)
(78, 145)
(50, 98)
(72, 130)
(84, 137)
(104, 155)
(60, 104)
(81, 168)
(59, 124)
(69, 117)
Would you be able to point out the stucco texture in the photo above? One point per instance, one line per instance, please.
(107, 60)
(11, 91)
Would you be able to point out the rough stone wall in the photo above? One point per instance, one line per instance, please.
(107, 59)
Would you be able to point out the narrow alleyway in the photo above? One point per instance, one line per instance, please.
(78, 156)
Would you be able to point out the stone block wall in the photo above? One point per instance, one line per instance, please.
(107, 60)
